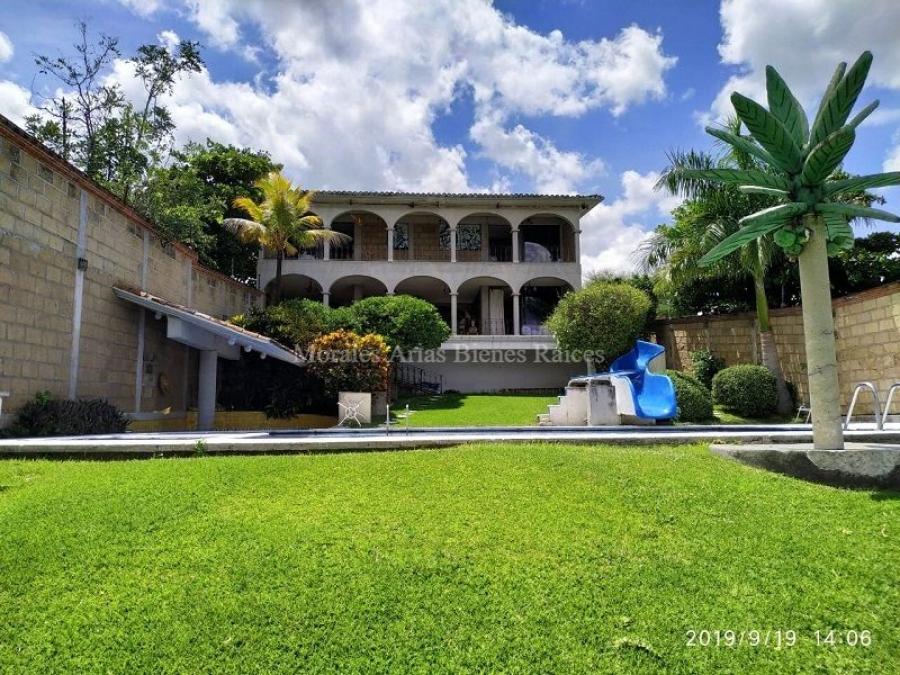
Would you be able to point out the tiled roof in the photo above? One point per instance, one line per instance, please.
(589, 201)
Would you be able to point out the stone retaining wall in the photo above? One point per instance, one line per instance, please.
(867, 327)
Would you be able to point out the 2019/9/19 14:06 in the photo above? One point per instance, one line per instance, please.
(776, 638)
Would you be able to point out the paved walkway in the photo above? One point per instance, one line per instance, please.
(343, 440)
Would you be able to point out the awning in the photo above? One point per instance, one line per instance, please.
(204, 332)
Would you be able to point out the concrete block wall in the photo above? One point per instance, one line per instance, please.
(867, 336)
(40, 216)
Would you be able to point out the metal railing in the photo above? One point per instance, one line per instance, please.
(860, 386)
(410, 378)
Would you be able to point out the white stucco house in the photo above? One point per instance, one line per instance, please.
(494, 265)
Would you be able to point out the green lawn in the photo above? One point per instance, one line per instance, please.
(482, 410)
(535, 558)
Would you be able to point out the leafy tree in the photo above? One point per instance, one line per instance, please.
(190, 198)
(798, 161)
(281, 221)
(603, 319)
(405, 322)
(91, 123)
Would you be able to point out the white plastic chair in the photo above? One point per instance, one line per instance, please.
(349, 412)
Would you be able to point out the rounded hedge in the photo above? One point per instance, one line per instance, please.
(294, 323)
(46, 416)
(405, 322)
(603, 318)
(748, 390)
(693, 398)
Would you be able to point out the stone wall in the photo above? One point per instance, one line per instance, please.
(867, 327)
(44, 202)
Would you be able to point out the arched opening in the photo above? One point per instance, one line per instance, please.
(484, 307)
(368, 236)
(431, 289)
(296, 286)
(422, 236)
(546, 237)
(539, 298)
(347, 290)
(484, 237)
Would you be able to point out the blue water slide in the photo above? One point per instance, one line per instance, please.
(653, 394)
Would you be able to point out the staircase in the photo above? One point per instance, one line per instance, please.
(410, 379)
(570, 411)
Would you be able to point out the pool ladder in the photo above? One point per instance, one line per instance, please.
(879, 414)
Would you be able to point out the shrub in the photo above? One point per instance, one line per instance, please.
(403, 321)
(345, 361)
(747, 390)
(705, 365)
(47, 416)
(693, 398)
(294, 323)
(603, 318)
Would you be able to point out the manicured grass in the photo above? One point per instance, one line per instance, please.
(530, 558)
(727, 417)
(481, 410)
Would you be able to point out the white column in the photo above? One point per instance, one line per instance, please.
(453, 244)
(390, 244)
(357, 244)
(515, 244)
(326, 299)
(516, 308)
(454, 320)
(206, 390)
(577, 245)
(326, 249)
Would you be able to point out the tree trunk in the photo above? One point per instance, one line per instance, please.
(276, 287)
(818, 329)
(767, 344)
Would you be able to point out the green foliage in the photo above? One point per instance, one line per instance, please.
(345, 361)
(799, 164)
(693, 398)
(46, 416)
(602, 318)
(294, 323)
(403, 321)
(189, 199)
(746, 389)
(704, 365)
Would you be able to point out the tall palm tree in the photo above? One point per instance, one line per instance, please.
(711, 214)
(809, 222)
(281, 222)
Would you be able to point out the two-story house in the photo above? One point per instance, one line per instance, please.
(495, 266)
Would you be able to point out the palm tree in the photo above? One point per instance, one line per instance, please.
(711, 214)
(281, 222)
(809, 222)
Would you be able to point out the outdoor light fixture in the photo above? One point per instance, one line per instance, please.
(82, 264)
(248, 348)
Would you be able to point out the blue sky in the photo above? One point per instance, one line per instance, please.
(463, 95)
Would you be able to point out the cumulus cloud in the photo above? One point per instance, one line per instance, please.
(550, 170)
(6, 47)
(359, 85)
(616, 229)
(15, 102)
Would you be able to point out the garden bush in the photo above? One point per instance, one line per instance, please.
(345, 361)
(705, 365)
(403, 321)
(603, 318)
(693, 398)
(747, 390)
(294, 323)
(47, 416)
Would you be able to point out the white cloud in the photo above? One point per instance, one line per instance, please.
(551, 171)
(169, 39)
(6, 47)
(143, 8)
(15, 102)
(804, 40)
(360, 83)
(612, 233)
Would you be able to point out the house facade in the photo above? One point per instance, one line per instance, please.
(494, 265)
